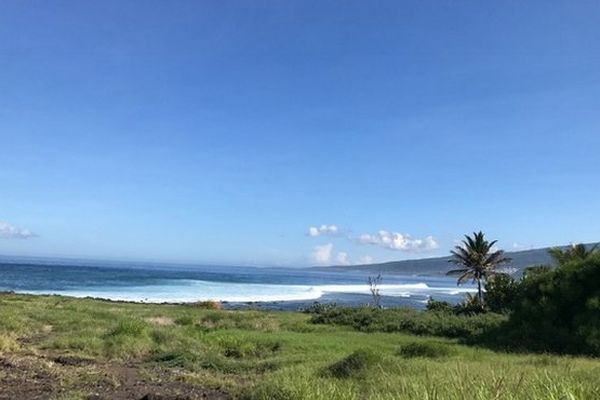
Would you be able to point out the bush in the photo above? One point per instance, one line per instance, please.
(208, 305)
(355, 365)
(184, 320)
(318, 308)
(500, 293)
(439, 306)
(425, 349)
(129, 327)
(557, 310)
(469, 306)
(433, 323)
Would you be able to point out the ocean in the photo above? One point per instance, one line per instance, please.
(237, 287)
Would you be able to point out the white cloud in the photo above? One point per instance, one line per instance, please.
(325, 255)
(398, 241)
(322, 254)
(323, 230)
(9, 231)
(519, 246)
(366, 260)
(342, 258)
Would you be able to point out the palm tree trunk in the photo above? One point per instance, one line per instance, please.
(479, 292)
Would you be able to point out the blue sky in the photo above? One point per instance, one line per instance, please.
(221, 132)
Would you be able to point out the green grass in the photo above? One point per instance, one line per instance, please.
(278, 355)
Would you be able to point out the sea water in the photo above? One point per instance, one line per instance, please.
(174, 283)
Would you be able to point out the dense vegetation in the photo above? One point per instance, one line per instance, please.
(550, 309)
(556, 310)
(443, 322)
(70, 348)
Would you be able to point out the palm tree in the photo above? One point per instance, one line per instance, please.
(477, 260)
(575, 252)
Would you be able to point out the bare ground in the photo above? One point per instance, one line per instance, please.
(37, 377)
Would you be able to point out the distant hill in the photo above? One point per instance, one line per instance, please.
(440, 265)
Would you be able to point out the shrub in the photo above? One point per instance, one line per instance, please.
(500, 293)
(557, 310)
(318, 308)
(249, 348)
(425, 349)
(208, 305)
(370, 319)
(160, 336)
(439, 306)
(129, 327)
(355, 365)
(184, 320)
(469, 306)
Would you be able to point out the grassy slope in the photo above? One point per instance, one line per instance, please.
(267, 355)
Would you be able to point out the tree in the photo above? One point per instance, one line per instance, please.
(535, 270)
(558, 310)
(477, 261)
(374, 282)
(500, 293)
(577, 252)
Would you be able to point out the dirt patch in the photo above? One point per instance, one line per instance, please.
(132, 383)
(25, 379)
(32, 339)
(37, 378)
(71, 360)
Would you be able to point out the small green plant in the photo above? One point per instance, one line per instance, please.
(184, 320)
(471, 305)
(318, 308)
(355, 365)
(129, 327)
(426, 350)
(439, 306)
(208, 305)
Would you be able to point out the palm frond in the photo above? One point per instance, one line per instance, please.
(467, 275)
(476, 258)
(457, 271)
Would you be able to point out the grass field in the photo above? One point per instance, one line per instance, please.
(63, 348)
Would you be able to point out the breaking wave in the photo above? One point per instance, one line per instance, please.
(183, 291)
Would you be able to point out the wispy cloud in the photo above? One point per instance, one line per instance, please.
(519, 246)
(398, 241)
(8, 231)
(323, 230)
(322, 254)
(326, 255)
(342, 258)
(365, 260)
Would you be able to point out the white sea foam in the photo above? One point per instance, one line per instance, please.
(195, 290)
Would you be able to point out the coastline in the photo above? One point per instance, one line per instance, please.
(341, 299)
